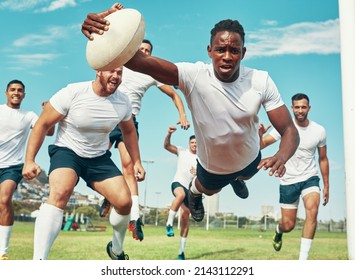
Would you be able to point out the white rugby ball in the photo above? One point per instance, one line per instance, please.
(119, 44)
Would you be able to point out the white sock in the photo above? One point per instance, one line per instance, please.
(305, 247)
(135, 208)
(171, 217)
(5, 233)
(278, 229)
(193, 188)
(47, 227)
(119, 224)
(182, 244)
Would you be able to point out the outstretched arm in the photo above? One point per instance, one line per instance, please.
(169, 91)
(167, 145)
(281, 119)
(161, 70)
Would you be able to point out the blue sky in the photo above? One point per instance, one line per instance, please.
(297, 42)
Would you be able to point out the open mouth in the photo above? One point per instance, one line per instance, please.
(226, 67)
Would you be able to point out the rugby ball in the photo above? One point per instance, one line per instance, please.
(119, 44)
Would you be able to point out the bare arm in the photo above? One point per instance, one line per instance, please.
(162, 70)
(50, 131)
(167, 144)
(48, 118)
(281, 119)
(96, 23)
(169, 91)
(267, 139)
(131, 142)
(324, 169)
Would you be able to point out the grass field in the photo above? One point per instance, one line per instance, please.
(214, 244)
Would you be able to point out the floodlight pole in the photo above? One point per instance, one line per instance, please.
(157, 212)
(146, 187)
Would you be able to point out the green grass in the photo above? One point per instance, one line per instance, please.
(214, 244)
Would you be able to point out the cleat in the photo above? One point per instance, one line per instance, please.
(277, 241)
(240, 188)
(4, 257)
(196, 206)
(181, 256)
(113, 256)
(169, 231)
(104, 208)
(136, 228)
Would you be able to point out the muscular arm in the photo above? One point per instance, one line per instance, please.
(47, 120)
(167, 145)
(178, 104)
(162, 70)
(324, 169)
(280, 118)
(131, 142)
(51, 130)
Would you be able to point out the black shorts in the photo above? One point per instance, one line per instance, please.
(13, 173)
(175, 185)
(291, 193)
(89, 169)
(116, 134)
(215, 181)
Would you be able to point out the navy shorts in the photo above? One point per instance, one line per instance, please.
(116, 134)
(89, 169)
(291, 193)
(215, 181)
(175, 185)
(13, 173)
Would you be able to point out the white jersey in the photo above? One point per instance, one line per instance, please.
(225, 115)
(186, 160)
(302, 165)
(15, 127)
(135, 84)
(89, 118)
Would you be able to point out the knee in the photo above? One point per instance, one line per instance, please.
(127, 166)
(185, 215)
(123, 205)
(288, 225)
(312, 213)
(59, 197)
(5, 202)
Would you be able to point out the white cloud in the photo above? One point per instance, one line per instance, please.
(52, 34)
(30, 60)
(20, 5)
(270, 22)
(300, 38)
(42, 6)
(58, 4)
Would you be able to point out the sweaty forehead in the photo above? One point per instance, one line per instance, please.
(227, 37)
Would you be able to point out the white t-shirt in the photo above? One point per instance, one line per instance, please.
(15, 127)
(225, 115)
(302, 165)
(89, 118)
(135, 84)
(186, 160)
